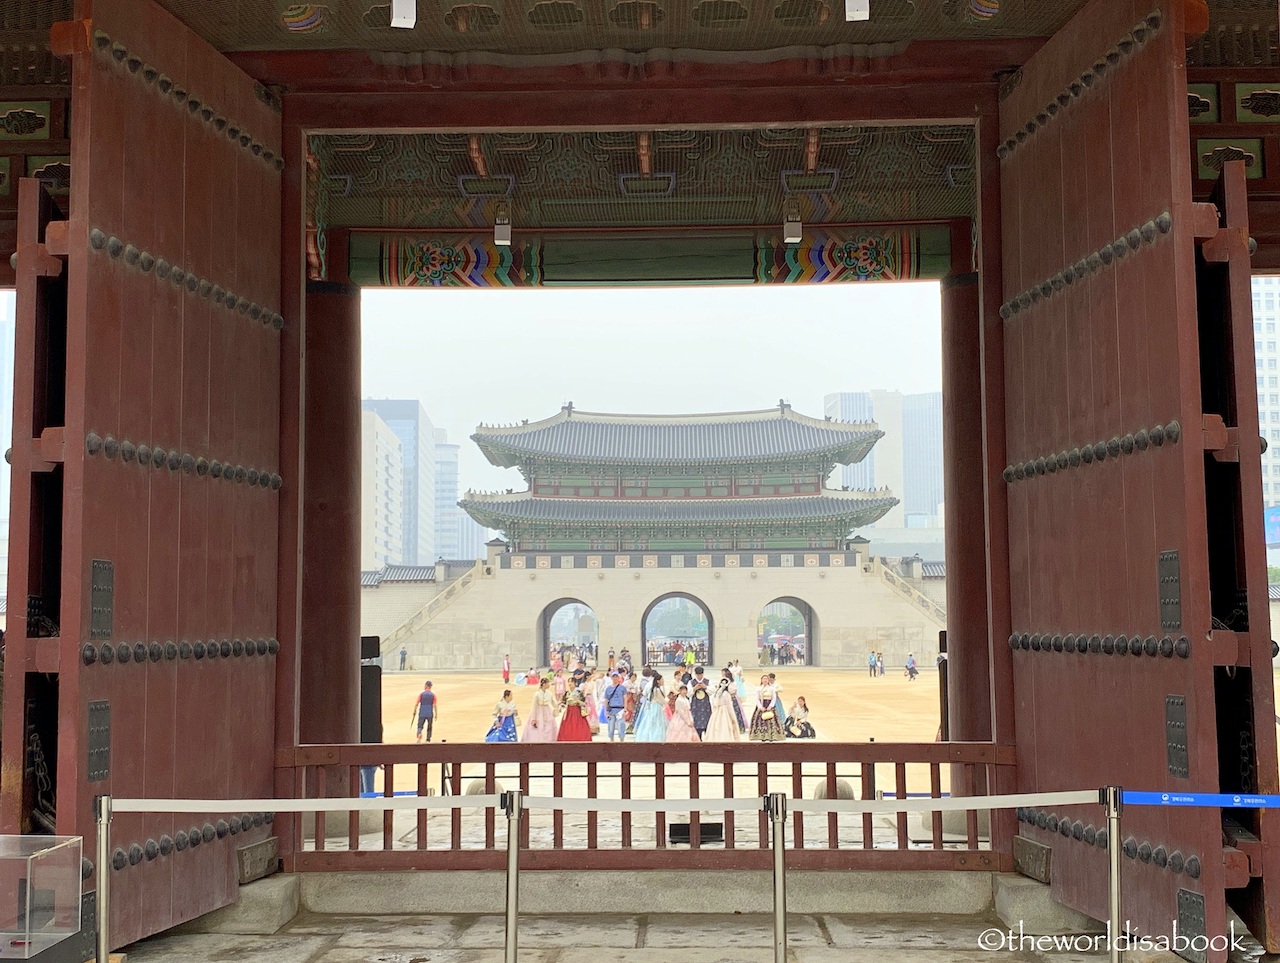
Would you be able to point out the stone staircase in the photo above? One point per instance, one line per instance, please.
(437, 604)
(904, 587)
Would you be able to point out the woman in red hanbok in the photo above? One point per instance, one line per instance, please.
(573, 724)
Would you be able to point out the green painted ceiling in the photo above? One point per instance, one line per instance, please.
(698, 178)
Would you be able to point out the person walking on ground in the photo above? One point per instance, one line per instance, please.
(724, 722)
(880, 662)
(506, 717)
(631, 714)
(681, 729)
(765, 724)
(652, 726)
(777, 698)
(700, 702)
(404, 657)
(912, 670)
(615, 700)
(573, 724)
(541, 726)
(426, 708)
(506, 670)
(871, 664)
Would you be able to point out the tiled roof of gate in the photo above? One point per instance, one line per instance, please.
(773, 434)
(399, 573)
(858, 508)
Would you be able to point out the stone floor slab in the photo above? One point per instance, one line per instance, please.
(662, 955)
(619, 932)
(431, 930)
(347, 954)
(218, 948)
(693, 930)
(866, 954)
(906, 933)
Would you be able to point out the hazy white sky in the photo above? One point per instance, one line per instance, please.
(500, 356)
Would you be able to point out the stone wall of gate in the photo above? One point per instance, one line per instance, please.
(154, 515)
(499, 612)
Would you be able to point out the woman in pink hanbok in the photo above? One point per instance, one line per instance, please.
(591, 692)
(681, 729)
(541, 726)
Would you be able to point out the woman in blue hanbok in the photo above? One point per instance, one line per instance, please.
(506, 717)
(652, 726)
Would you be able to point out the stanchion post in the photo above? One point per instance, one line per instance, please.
(102, 909)
(776, 804)
(513, 803)
(1113, 799)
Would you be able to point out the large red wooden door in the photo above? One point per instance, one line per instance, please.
(1139, 599)
(145, 465)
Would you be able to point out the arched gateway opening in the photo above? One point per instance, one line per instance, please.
(787, 633)
(675, 625)
(567, 628)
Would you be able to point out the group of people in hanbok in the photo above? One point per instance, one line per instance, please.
(691, 708)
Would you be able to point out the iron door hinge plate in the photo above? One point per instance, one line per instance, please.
(1170, 594)
(1191, 925)
(102, 600)
(99, 740)
(1175, 735)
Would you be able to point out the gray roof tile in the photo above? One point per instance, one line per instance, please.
(862, 507)
(775, 434)
(400, 573)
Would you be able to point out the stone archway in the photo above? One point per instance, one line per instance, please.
(665, 637)
(775, 632)
(581, 634)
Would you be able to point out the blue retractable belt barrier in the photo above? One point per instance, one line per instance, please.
(1207, 799)
(378, 795)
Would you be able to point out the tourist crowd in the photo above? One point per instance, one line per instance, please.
(576, 705)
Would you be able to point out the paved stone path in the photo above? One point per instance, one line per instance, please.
(617, 939)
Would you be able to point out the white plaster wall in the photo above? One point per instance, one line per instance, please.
(500, 613)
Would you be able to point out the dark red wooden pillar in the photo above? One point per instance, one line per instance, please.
(968, 649)
(329, 671)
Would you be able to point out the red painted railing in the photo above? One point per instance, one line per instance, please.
(557, 839)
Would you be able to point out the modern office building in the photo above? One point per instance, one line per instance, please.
(1266, 317)
(909, 457)
(457, 535)
(922, 459)
(381, 494)
(408, 419)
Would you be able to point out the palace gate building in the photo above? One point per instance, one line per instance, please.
(729, 511)
(195, 190)
(741, 480)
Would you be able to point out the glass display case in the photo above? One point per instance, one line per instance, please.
(39, 893)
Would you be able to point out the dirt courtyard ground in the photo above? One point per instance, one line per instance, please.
(845, 705)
